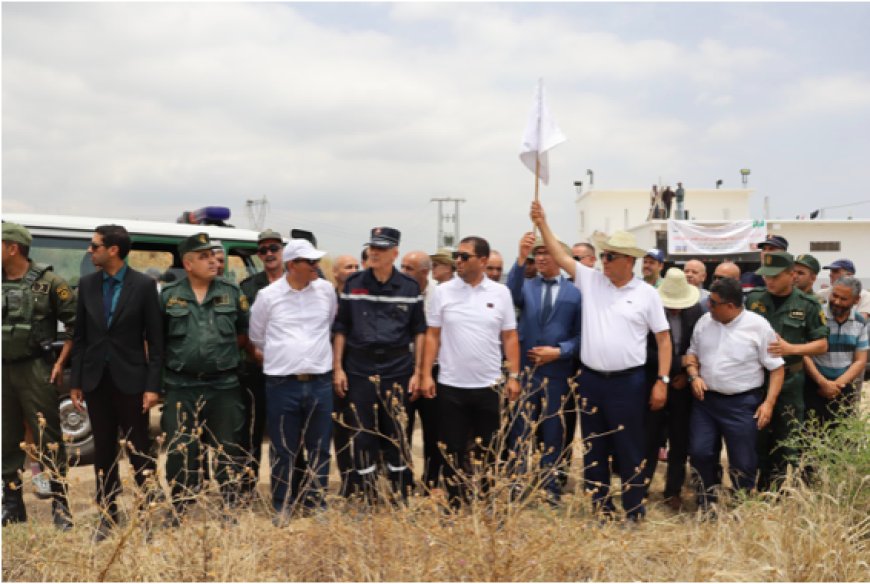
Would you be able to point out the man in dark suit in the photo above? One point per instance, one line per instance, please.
(683, 310)
(116, 363)
(549, 328)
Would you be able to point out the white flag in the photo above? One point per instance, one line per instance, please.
(541, 134)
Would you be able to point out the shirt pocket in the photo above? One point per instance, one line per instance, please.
(225, 322)
(178, 321)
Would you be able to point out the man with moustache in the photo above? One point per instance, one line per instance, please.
(830, 388)
(443, 267)
(470, 319)
(380, 315)
(801, 330)
(653, 262)
(205, 322)
(290, 324)
(619, 311)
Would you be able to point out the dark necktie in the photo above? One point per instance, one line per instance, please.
(107, 299)
(547, 307)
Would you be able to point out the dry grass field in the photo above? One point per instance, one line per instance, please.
(816, 532)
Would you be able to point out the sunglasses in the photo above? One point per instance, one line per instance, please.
(307, 261)
(264, 249)
(610, 256)
(463, 255)
(96, 246)
(581, 258)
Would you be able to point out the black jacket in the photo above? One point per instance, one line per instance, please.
(121, 346)
(689, 318)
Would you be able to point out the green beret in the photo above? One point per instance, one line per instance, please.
(269, 234)
(16, 233)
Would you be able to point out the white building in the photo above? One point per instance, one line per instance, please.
(628, 209)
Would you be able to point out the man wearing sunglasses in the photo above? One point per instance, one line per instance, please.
(619, 311)
(584, 253)
(380, 314)
(470, 319)
(290, 324)
(270, 246)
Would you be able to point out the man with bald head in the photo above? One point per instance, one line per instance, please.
(696, 274)
(727, 270)
(342, 268)
(418, 265)
(494, 266)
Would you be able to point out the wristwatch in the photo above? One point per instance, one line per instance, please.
(692, 378)
(664, 379)
(514, 376)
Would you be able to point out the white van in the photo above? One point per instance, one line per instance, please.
(62, 242)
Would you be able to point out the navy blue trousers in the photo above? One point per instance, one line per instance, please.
(612, 420)
(730, 417)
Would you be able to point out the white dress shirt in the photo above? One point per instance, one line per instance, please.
(733, 356)
(616, 321)
(471, 319)
(292, 327)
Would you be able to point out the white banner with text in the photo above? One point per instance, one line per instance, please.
(733, 237)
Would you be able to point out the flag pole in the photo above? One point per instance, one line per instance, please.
(537, 187)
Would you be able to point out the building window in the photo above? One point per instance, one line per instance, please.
(824, 246)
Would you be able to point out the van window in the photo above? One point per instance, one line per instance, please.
(68, 257)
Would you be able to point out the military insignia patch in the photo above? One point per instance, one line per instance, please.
(176, 301)
(798, 314)
(40, 287)
(823, 318)
(203, 238)
(768, 260)
(758, 306)
(222, 300)
(244, 304)
(64, 293)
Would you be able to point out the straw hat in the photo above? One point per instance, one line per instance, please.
(676, 292)
(539, 242)
(621, 242)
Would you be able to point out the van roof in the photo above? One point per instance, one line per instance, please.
(72, 226)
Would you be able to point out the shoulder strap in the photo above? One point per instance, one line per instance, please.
(35, 273)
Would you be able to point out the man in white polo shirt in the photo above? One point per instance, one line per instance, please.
(470, 319)
(731, 346)
(290, 323)
(619, 311)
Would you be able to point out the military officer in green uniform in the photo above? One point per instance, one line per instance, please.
(34, 300)
(800, 330)
(206, 322)
(806, 270)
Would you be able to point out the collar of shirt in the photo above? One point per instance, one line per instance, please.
(285, 285)
(484, 284)
(118, 277)
(372, 282)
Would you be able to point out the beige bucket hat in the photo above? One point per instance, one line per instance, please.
(676, 292)
(621, 242)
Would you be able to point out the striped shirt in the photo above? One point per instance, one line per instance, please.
(843, 340)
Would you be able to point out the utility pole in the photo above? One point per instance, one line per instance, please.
(257, 209)
(447, 239)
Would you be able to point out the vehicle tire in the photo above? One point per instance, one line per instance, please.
(77, 432)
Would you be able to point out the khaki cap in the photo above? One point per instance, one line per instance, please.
(15, 233)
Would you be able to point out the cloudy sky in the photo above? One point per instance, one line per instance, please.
(347, 116)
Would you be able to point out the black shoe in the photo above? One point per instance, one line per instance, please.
(104, 527)
(60, 514)
(13, 505)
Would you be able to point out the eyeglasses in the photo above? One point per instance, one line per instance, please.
(95, 246)
(610, 256)
(307, 261)
(264, 249)
(463, 255)
(718, 277)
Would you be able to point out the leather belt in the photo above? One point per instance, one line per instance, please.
(302, 377)
(608, 374)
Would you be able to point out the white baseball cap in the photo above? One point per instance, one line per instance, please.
(301, 249)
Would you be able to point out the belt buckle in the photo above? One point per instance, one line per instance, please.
(304, 377)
